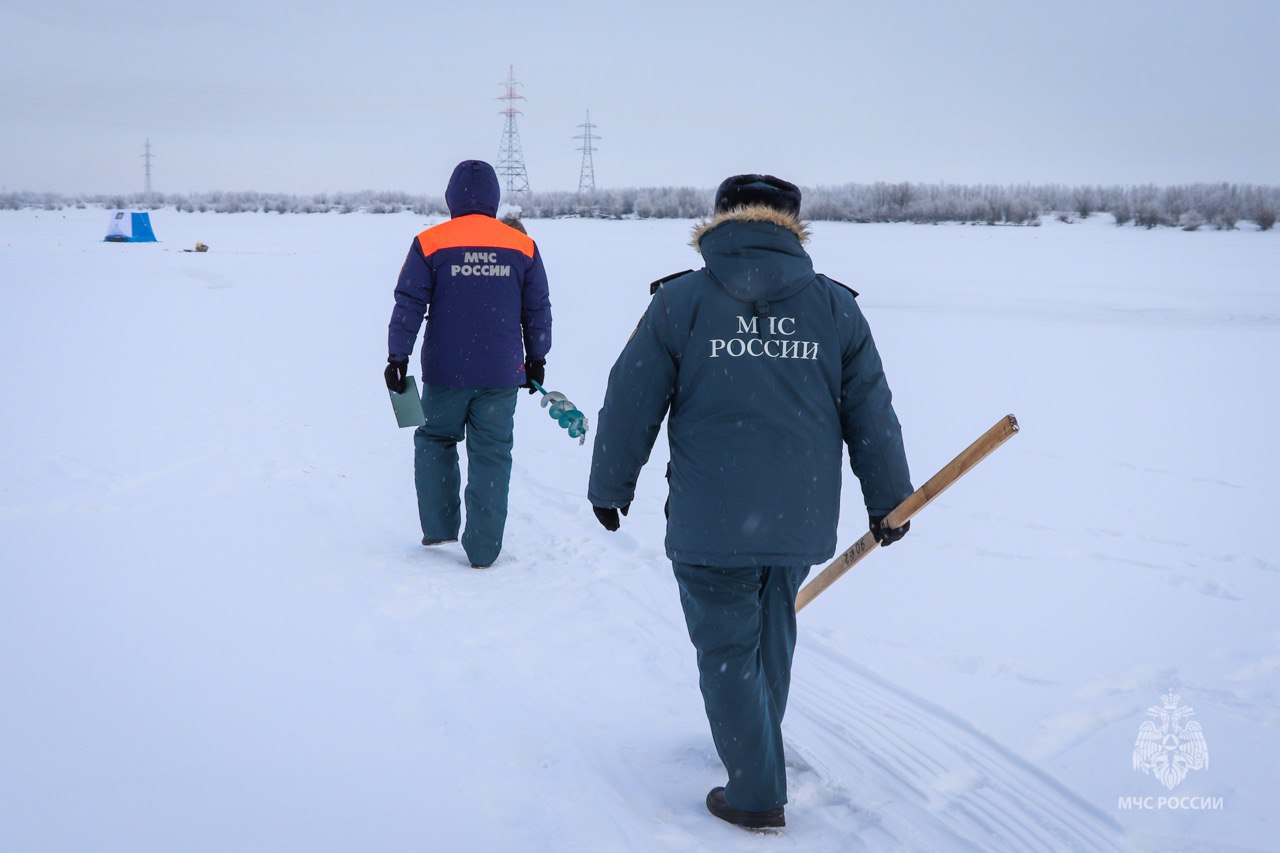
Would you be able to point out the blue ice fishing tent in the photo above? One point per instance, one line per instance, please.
(130, 226)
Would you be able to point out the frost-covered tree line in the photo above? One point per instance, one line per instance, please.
(235, 202)
(1189, 206)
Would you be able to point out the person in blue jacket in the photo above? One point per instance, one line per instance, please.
(482, 289)
(764, 370)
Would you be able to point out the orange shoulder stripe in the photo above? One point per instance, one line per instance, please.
(474, 231)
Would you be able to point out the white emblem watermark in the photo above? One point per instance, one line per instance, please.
(1169, 747)
(1172, 749)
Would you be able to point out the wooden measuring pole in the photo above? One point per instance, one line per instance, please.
(920, 498)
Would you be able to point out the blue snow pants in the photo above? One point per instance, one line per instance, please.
(484, 417)
(742, 621)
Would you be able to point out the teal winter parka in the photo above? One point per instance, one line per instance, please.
(768, 369)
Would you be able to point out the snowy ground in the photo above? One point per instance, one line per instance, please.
(218, 631)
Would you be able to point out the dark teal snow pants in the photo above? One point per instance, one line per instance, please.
(484, 418)
(743, 624)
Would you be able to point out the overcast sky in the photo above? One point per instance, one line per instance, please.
(317, 96)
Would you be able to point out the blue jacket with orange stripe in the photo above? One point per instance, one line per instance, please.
(481, 287)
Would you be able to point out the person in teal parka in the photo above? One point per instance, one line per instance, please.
(765, 370)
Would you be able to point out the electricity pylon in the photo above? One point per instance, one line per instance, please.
(587, 177)
(511, 168)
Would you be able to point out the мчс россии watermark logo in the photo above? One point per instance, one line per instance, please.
(1168, 747)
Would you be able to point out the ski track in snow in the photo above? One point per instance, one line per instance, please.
(927, 779)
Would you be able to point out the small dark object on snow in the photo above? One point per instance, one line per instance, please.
(200, 247)
(886, 536)
(430, 542)
(771, 819)
(608, 517)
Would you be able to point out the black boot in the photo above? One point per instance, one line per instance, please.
(751, 820)
(430, 542)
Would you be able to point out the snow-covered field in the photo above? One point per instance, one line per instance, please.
(218, 630)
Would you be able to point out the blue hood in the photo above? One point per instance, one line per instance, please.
(473, 188)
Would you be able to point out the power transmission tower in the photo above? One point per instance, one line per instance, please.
(511, 167)
(587, 177)
(146, 158)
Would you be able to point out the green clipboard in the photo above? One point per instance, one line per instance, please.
(408, 405)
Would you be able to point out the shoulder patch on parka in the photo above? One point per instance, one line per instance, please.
(653, 287)
(839, 283)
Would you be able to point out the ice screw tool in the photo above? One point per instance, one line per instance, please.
(564, 412)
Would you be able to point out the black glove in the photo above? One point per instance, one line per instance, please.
(536, 371)
(608, 516)
(396, 373)
(886, 536)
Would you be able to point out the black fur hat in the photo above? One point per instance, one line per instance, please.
(773, 192)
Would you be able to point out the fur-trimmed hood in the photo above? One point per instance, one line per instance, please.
(750, 213)
(755, 254)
